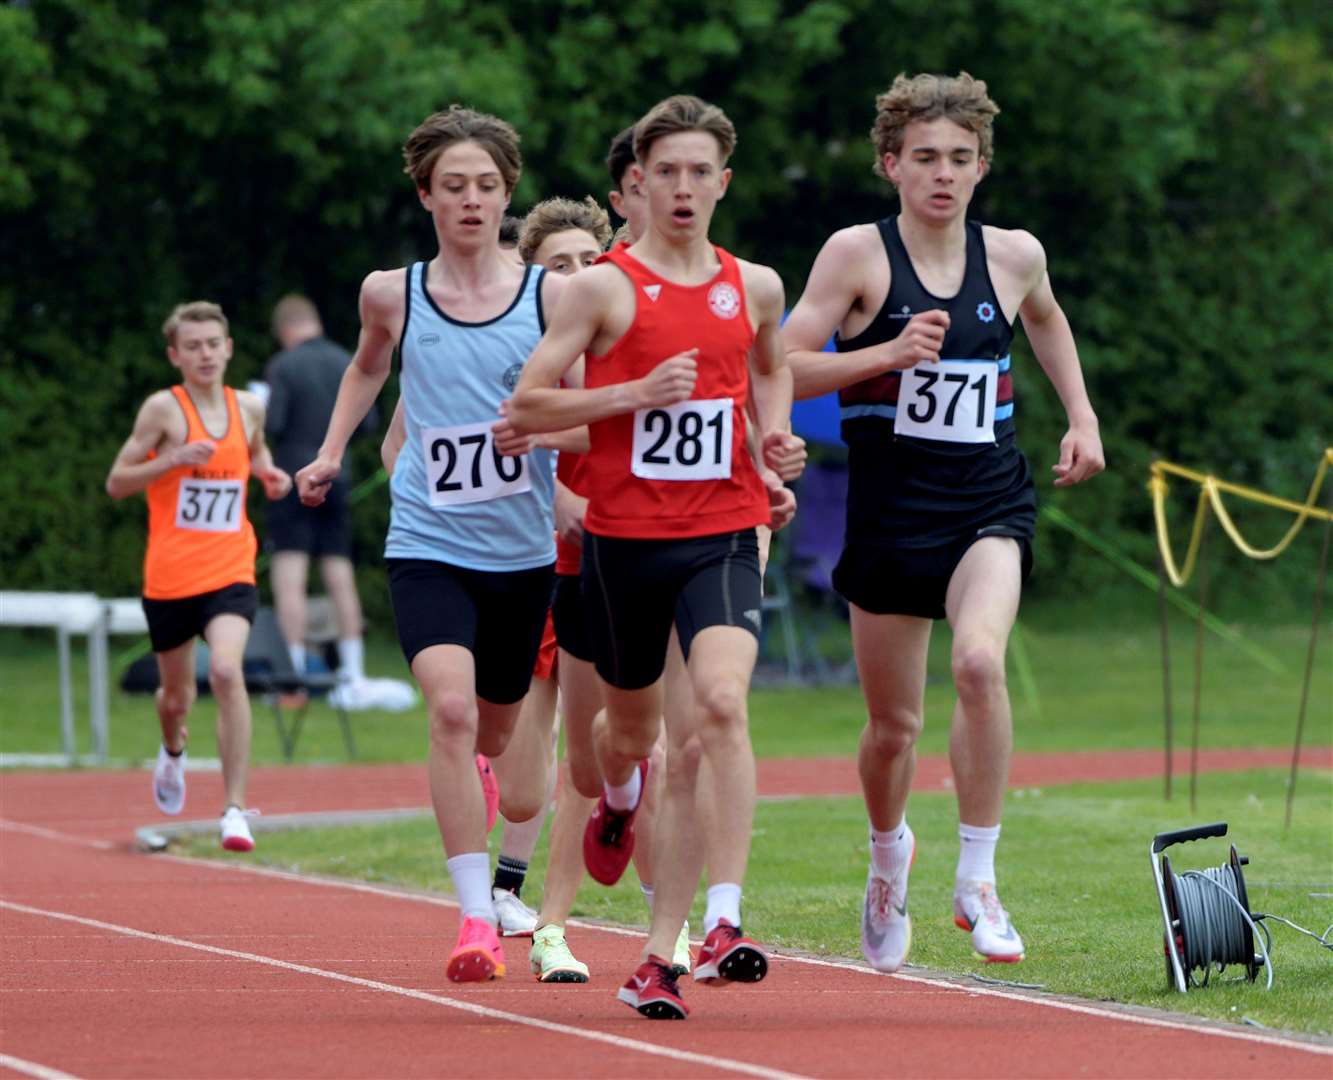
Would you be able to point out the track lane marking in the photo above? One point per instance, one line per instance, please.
(1200, 1027)
(31, 1068)
(619, 1042)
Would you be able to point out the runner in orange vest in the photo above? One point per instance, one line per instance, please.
(192, 450)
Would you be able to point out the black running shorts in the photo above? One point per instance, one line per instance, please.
(497, 616)
(571, 626)
(909, 581)
(633, 590)
(171, 623)
(320, 530)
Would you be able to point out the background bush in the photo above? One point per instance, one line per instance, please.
(1173, 156)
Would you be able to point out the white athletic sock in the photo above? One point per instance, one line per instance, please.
(624, 796)
(890, 850)
(352, 658)
(976, 852)
(647, 891)
(297, 653)
(724, 902)
(519, 839)
(471, 875)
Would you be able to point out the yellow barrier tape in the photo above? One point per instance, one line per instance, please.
(1210, 495)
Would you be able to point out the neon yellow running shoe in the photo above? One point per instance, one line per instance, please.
(681, 961)
(550, 958)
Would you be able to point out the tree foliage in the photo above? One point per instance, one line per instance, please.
(1173, 155)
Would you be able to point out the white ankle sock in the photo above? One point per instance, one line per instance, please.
(891, 849)
(352, 658)
(297, 653)
(724, 902)
(976, 852)
(471, 875)
(624, 796)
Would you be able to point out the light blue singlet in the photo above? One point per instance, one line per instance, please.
(454, 499)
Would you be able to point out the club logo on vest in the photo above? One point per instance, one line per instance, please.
(906, 313)
(427, 340)
(510, 378)
(724, 301)
(986, 311)
(653, 291)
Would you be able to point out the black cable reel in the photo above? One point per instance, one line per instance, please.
(1206, 914)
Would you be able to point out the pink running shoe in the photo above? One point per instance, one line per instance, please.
(727, 955)
(490, 788)
(652, 990)
(608, 838)
(478, 956)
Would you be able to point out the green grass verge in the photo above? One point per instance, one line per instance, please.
(1074, 874)
(1086, 686)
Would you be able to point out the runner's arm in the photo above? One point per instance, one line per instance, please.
(1052, 341)
(831, 293)
(133, 470)
(276, 481)
(381, 299)
(540, 405)
(770, 377)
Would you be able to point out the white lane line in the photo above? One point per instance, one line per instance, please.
(51, 834)
(31, 1068)
(619, 1042)
(1199, 1027)
(1194, 1027)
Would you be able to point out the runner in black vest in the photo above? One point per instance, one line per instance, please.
(941, 505)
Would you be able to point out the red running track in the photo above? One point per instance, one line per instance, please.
(119, 964)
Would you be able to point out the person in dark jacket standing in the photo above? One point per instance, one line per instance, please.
(303, 380)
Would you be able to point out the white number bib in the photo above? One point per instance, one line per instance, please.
(210, 505)
(463, 466)
(953, 401)
(690, 440)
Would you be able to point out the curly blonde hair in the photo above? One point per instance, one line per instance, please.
(959, 98)
(557, 215)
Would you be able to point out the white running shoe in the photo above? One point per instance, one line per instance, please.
(169, 781)
(977, 908)
(886, 928)
(516, 918)
(681, 960)
(236, 830)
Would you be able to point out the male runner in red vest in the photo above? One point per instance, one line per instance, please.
(677, 333)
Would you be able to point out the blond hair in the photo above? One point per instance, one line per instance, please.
(441, 130)
(558, 215)
(192, 311)
(683, 112)
(959, 98)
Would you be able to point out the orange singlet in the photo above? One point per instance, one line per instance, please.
(199, 536)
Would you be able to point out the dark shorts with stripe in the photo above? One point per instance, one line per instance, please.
(171, 623)
(498, 616)
(633, 590)
(913, 510)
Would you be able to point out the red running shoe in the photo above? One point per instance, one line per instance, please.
(478, 956)
(490, 788)
(727, 955)
(653, 992)
(608, 838)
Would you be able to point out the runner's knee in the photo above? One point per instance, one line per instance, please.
(175, 703)
(891, 731)
(978, 671)
(225, 676)
(453, 718)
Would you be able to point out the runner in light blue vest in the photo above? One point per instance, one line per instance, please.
(470, 551)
